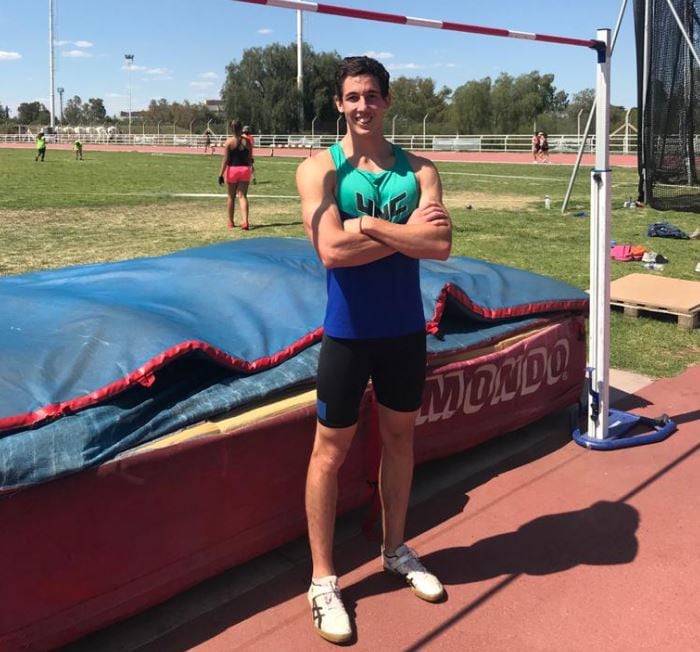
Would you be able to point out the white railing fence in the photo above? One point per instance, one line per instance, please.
(570, 143)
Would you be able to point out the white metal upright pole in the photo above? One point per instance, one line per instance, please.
(645, 87)
(300, 69)
(599, 321)
(52, 74)
(589, 122)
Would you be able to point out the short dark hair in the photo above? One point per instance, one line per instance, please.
(355, 66)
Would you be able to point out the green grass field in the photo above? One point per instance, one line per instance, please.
(114, 206)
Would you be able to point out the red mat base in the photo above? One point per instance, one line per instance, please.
(86, 550)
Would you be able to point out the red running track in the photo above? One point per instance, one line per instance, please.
(617, 160)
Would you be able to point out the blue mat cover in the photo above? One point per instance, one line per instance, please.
(98, 359)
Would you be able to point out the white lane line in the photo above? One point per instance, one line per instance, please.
(220, 196)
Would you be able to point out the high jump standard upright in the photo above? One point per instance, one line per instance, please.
(599, 435)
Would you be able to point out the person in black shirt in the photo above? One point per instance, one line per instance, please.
(236, 173)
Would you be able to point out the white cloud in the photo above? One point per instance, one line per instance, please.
(407, 66)
(265, 31)
(201, 84)
(76, 54)
(157, 72)
(209, 75)
(137, 68)
(379, 55)
(77, 44)
(9, 56)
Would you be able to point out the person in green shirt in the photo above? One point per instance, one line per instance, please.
(372, 210)
(78, 149)
(40, 146)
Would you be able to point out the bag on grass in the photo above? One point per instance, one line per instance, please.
(622, 252)
(638, 251)
(666, 230)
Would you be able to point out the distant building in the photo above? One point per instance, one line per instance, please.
(215, 106)
(135, 115)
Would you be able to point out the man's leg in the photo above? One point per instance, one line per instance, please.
(330, 619)
(399, 378)
(330, 448)
(396, 472)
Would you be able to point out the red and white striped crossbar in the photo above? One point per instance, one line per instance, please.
(319, 8)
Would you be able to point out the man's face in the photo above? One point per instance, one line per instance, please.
(363, 104)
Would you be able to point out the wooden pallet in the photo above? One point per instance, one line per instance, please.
(637, 293)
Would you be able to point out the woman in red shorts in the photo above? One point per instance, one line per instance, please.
(236, 173)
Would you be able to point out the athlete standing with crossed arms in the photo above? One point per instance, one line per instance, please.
(371, 211)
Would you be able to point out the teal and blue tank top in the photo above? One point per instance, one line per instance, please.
(382, 298)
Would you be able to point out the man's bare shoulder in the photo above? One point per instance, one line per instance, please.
(319, 162)
(419, 163)
(315, 173)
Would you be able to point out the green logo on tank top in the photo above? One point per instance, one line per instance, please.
(393, 210)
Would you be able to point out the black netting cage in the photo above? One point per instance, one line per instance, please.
(668, 89)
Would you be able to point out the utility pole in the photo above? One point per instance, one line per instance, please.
(60, 90)
(130, 62)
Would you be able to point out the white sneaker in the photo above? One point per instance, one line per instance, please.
(405, 562)
(330, 618)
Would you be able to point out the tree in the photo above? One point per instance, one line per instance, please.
(33, 113)
(94, 111)
(73, 111)
(517, 102)
(505, 113)
(160, 111)
(471, 107)
(413, 98)
(261, 90)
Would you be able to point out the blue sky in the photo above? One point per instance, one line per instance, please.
(181, 47)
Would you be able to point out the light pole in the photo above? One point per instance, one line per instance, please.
(424, 120)
(60, 91)
(393, 128)
(130, 62)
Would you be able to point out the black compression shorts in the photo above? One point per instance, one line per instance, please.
(396, 366)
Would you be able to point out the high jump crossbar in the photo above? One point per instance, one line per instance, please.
(334, 10)
(601, 434)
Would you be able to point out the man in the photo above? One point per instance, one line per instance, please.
(78, 149)
(40, 147)
(371, 211)
(207, 141)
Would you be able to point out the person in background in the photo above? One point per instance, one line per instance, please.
(236, 173)
(251, 141)
(78, 149)
(40, 147)
(372, 211)
(536, 147)
(544, 147)
(208, 142)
